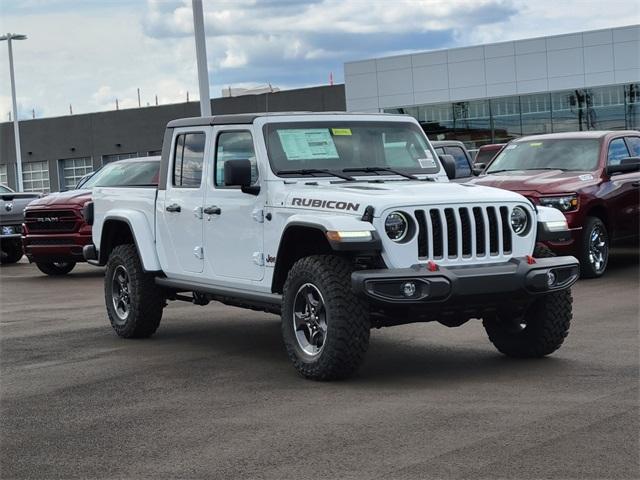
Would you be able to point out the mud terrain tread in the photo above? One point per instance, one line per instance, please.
(147, 299)
(349, 322)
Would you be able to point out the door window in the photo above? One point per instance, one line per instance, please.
(462, 164)
(617, 151)
(236, 145)
(188, 160)
(634, 146)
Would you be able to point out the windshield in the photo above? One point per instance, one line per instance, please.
(336, 146)
(126, 174)
(4, 189)
(561, 154)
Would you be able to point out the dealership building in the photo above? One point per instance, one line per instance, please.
(481, 94)
(492, 93)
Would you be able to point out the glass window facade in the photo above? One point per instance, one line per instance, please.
(35, 177)
(72, 170)
(4, 178)
(498, 120)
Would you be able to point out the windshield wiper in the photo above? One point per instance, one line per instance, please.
(381, 169)
(311, 171)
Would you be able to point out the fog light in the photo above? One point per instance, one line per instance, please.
(408, 289)
(551, 278)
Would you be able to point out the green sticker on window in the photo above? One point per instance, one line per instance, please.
(341, 131)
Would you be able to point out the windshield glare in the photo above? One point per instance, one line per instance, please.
(569, 154)
(125, 174)
(336, 146)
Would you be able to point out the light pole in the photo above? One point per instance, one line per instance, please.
(16, 129)
(201, 58)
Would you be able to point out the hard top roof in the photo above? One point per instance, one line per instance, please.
(247, 118)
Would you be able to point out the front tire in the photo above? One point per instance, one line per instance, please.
(594, 249)
(55, 269)
(134, 301)
(540, 331)
(325, 327)
(11, 252)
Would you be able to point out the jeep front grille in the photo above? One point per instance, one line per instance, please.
(463, 232)
(45, 221)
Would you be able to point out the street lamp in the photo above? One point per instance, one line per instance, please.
(16, 129)
(201, 58)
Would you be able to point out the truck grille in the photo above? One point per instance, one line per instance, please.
(51, 221)
(463, 232)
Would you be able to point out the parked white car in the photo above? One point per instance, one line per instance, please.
(337, 222)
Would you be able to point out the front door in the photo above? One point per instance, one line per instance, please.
(180, 210)
(624, 191)
(233, 222)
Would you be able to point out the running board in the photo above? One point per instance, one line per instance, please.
(232, 294)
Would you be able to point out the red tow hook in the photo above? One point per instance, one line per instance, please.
(432, 266)
(530, 260)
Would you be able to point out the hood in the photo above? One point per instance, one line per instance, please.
(354, 197)
(71, 197)
(540, 181)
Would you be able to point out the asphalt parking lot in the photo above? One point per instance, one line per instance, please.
(212, 394)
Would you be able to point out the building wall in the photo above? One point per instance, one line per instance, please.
(562, 62)
(139, 130)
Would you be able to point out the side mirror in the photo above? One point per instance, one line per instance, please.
(449, 165)
(626, 165)
(237, 173)
(478, 168)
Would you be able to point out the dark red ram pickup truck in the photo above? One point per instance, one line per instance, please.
(55, 230)
(592, 177)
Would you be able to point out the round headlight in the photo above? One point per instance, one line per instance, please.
(519, 220)
(396, 225)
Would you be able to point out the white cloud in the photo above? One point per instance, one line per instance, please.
(90, 53)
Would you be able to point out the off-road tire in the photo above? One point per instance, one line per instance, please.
(587, 270)
(11, 252)
(347, 318)
(146, 298)
(547, 324)
(55, 269)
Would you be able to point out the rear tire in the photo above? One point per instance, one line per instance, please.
(325, 326)
(11, 252)
(134, 302)
(55, 269)
(594, 248)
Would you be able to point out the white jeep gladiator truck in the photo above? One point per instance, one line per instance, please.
(339, 223)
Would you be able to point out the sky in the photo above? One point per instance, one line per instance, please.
(88, 53)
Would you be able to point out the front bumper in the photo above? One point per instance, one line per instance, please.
(421, 285)
(55, 248)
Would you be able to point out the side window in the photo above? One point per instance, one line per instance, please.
(634, 146)
(237, 145)
(188, 160)
(617, 151)
(462, 164)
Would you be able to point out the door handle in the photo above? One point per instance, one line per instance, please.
(174, 207)
(212, 210)
(635, 184)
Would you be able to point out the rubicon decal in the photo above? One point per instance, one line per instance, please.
(332, 204)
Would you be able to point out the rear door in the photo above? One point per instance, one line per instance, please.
(179, 210)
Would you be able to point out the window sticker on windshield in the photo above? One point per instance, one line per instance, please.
(535, 144)
(307, 143)
(427, 162)
(511, 147)
(341, 131)
(586, 178)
